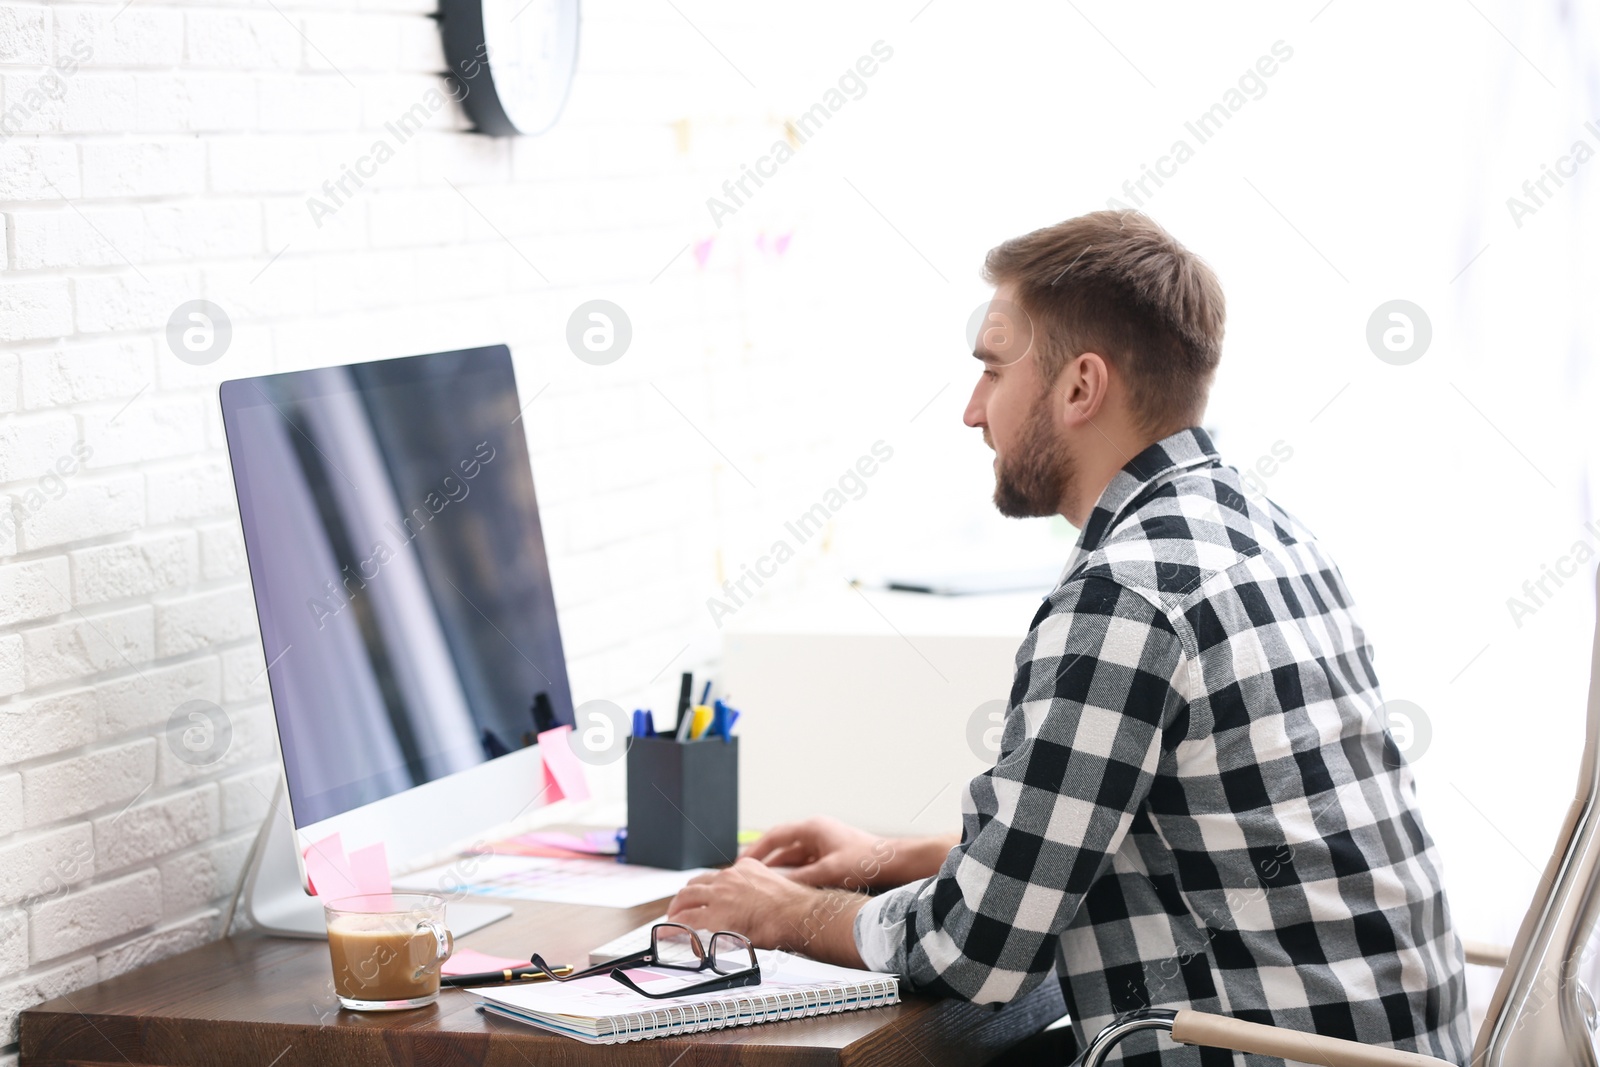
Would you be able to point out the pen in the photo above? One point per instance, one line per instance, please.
(705, 695)
(510, 974)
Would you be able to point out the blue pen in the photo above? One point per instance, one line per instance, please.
(705, 694)
(649, 723)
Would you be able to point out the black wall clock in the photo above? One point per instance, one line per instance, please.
(512, 60)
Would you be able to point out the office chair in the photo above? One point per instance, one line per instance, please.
(1541, 1015)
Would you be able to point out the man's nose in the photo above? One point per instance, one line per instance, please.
(973, 416)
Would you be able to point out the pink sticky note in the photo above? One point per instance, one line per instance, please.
(552, 788)
(563, 774)
(369, 868)
(471, 961)
(329, 870)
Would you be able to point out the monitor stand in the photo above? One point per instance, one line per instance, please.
(276, 903)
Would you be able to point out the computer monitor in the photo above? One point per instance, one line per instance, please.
(407, 619)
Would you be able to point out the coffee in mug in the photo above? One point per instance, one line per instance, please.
(387, 948)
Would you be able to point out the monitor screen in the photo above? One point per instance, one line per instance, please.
(399, 569)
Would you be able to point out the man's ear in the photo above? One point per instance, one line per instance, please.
(1082, 387)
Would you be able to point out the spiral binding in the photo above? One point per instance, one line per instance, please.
(747, 1009)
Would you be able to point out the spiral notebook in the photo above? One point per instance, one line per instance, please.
(600, 1010)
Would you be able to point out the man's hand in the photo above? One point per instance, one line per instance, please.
(772, 911)
(826, 852)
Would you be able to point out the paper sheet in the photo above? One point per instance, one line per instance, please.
(602, 883)
(508, 848)
(558, 844)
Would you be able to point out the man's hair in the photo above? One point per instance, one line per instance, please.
(1116, 283)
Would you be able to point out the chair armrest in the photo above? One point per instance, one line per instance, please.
(1482, 952)
(1219, 1031)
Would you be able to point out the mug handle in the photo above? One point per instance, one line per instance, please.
(444, 942)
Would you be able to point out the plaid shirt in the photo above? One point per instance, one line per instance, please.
(1196, 803)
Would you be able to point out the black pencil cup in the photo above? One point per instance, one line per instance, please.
(683, 802)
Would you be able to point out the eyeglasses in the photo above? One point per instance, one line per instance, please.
(676, 947)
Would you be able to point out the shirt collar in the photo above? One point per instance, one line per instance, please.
(1182, 451)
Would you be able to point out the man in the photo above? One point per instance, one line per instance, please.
(1196, 802)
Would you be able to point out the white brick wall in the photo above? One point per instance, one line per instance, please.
(175, 162)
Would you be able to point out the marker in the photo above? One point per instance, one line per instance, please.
(725, 718)
(685, 693)
(702, 722)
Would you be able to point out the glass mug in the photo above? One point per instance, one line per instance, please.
(387, 949)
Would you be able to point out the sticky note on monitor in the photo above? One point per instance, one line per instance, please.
(337, 874)
(563, 772)
(329, 869)
(369, 869)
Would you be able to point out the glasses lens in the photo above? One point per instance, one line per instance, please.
(677, 946)
(730, 953)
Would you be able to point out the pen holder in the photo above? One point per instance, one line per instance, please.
(683, 802)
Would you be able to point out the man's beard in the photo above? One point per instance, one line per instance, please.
(1035, 479)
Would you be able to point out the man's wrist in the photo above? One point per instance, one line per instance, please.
(914, 858)
(819, 923)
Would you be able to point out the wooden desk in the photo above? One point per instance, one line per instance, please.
(252, 1001)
